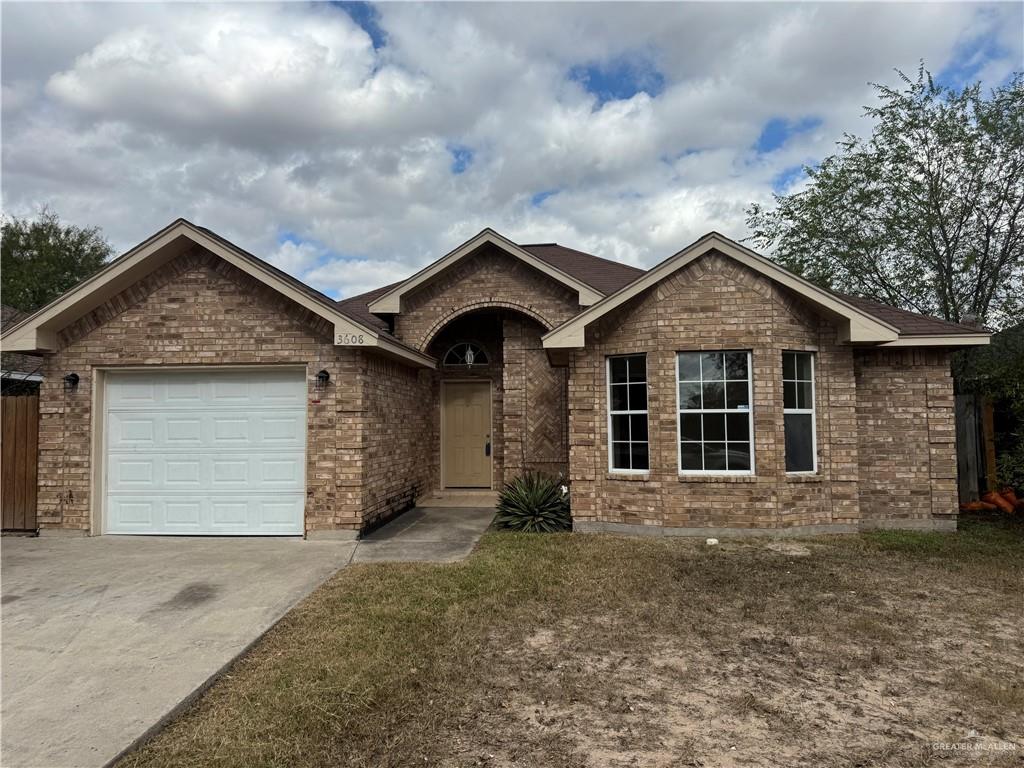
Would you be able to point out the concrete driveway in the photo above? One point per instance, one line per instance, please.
(103, 637)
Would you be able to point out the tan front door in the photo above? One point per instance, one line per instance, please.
(466, 435)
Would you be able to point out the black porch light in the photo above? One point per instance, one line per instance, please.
(322, 378)
(71, 381)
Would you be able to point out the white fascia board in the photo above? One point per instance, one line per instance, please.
(952, 340)
(391, 302)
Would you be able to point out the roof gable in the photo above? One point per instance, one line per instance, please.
(857, 324)
(38, 332)
(390, 302)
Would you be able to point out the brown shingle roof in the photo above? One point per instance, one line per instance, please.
(604, 275)
(358, 306)
(908, 323)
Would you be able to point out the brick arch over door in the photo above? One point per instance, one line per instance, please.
(477, 306)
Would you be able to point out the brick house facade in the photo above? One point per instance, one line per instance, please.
(188, 311)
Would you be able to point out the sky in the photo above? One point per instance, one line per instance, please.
(351, 144)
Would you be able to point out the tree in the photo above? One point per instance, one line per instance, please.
(927, 214)
(40, 259)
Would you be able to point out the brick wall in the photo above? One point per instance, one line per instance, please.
(907, 439)
(396, 433)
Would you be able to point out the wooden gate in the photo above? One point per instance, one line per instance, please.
(19, 447)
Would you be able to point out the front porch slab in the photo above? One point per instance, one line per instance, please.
(435, 535)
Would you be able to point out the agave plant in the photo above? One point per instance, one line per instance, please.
(534, 503)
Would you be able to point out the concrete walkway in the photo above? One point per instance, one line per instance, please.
(435, 534)
(104, 637)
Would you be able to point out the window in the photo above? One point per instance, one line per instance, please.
(798, 411)
(627, 413)
(716, 434)
(466, 353)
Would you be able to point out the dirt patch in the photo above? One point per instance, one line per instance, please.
(791, 548)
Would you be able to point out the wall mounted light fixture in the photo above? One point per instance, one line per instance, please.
(71, 382)
(321, 380)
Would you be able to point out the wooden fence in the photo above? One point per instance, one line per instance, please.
(19, 448)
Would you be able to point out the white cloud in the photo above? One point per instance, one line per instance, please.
(261, 120)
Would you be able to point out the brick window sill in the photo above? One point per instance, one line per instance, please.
(629, 477)
(718, 478)
(813, 477)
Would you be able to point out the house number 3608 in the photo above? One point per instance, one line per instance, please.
(349, 338)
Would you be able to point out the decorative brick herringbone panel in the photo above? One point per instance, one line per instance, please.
(546, 413)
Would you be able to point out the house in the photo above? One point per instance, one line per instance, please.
(191, 388)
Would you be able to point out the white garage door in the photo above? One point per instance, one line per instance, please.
(205, 452)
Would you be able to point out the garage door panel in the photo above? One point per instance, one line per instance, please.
(207, 514)
(161, 472)
(206, 452)
(271, 429)
(277, 512)
(181, 431)
(183, 514)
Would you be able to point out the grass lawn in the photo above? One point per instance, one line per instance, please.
(584, 650)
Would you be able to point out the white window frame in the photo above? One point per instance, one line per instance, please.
(612, 469)
(812, 411)
(679, 411)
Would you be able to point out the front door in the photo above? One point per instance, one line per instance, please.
(466, 434)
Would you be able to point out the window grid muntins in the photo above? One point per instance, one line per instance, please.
(628, 449)
(715, 428)
(798, 411)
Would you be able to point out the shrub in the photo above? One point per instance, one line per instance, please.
(534, 503)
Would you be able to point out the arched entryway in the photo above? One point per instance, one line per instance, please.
(500, 407)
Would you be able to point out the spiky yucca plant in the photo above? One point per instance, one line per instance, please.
(534, 503)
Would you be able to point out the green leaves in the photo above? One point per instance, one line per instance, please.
(534, 503)
(41, 259)
(926, 214)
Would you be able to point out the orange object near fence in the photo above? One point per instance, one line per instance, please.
(994, 498)
(978, 506)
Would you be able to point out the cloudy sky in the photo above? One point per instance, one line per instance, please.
(351, 144)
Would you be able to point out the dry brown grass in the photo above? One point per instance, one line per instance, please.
(565, 650)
